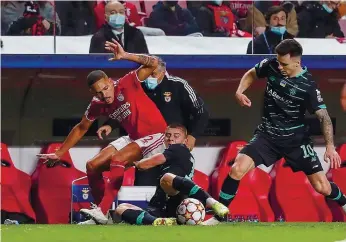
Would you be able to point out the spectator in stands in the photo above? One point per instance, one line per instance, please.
(29, 17)
(256, 22)
(275, 32)
(77, 17)
(215, 18)
(319, 20)
(132, 18)
(172, 19)
(130, 38)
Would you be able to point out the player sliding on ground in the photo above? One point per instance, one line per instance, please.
(124, 101)
(290, 91)
(177, 170)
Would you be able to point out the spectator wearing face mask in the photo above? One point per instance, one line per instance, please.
(172, 19)
(130, 38)
(319, 20)
(275, 32)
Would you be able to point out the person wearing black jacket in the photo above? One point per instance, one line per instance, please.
(274, 34)
(130, 38)
(319, 20)
(178, 103)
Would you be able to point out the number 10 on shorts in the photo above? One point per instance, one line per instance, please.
(308, 151)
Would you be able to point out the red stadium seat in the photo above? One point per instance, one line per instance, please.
(252, 197)
(51, 193)
(338, 176)
(15, 187)
(228, 154)
(296, 197)
(201, 180)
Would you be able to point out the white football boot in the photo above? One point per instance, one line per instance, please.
(88, 222)
(210, 222)
(96, 214)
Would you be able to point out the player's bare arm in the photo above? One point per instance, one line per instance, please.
(74, 136)
(327, 128)
(151, 162)
(149, 63)
(245, 82)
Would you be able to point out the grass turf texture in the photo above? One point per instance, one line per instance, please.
(235, 232)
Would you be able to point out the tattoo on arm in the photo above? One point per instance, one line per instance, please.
(326, 125)
(146, 60)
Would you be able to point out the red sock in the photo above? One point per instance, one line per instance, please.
(97, 185)
(112, 188)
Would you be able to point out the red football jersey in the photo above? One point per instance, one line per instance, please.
(132, 108)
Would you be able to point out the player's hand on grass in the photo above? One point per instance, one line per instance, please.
(333, 157)
(50, 159)
(116, 48)
(106, 129)
(243, 100)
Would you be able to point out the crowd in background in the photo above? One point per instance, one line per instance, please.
(267, 21)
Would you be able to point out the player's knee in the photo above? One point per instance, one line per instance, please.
(240, 168)
(167, 179)
(122, 208)
(322, 187)
(91, 166)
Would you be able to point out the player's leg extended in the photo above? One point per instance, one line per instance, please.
(173, 184)
(242, 165)
(330, 190)
(121, 159)
(135, 215)
(95, 167)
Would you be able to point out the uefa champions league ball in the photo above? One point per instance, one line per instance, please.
(190, 212)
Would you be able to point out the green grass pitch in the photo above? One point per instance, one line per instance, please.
(236, 232)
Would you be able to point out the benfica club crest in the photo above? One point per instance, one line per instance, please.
(168, 96)
(120, 97)
(85, 192)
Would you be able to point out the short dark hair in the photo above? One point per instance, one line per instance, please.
(289, 46)
(274, 10)
(178, 126)
(95, 76)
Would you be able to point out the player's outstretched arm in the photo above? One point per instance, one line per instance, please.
(151, 162)
(327, 128)
(149, 63)
(74, 136)
(245, 82)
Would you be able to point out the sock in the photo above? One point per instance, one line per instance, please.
(116, 179)
(97, 185)
(138, 217)
(337, 195)
(228, 190)
(187, 187)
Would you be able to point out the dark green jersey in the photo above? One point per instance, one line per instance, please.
(286, 101)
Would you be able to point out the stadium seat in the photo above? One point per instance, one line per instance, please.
(15, 187)
(201, 180)
(228, 155)
(252, 197)
(51, 191)
(296, 198)
(339, 177)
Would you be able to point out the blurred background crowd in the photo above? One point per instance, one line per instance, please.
(129, 21)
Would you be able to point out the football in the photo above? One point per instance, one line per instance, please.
(190, 212)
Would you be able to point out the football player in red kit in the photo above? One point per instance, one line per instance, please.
(125, 101)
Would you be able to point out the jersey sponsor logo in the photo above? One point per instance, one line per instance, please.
(122, 112)
(168, 96)
(319, 97)
(277, 96)
(120, 97)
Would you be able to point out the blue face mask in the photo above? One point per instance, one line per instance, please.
(328, 9)
(218, 2)
(280, 30)
(151, 83)
(116, 21)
